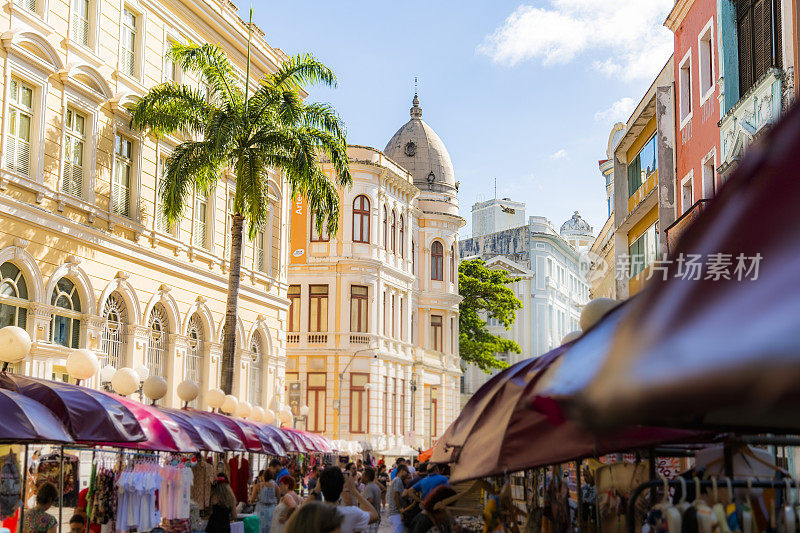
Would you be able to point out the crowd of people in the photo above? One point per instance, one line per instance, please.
(351, 497)
(344, 498)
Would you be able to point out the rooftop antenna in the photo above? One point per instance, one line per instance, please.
(415, 85)
(495, 189)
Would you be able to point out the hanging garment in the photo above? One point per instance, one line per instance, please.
(10, 486)
(201, 486)
(136, 508)
(239, 477)
(49, 471)
(175, 493)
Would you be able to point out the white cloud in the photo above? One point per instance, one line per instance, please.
(625, 37)
(561, 154)
(619, 111)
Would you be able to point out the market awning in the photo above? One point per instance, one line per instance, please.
(719, 348)
(206, 435)
(26, 420)
(162, 431)
(279, 435)
(244, 433)
(300, 443)
(89, 415)
(510, 433)
(227, 435)
(269, 443)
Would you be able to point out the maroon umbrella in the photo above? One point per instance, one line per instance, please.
(89, 415)
(722, 350)
(162, 431)
(512, 433)
(26, 420)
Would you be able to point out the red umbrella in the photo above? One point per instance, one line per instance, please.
(513, 433)
(163, 433)
(722, 350)
(323, 444)
(89, 415)
(299, 444)
(26, 420)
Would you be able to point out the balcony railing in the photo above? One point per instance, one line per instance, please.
(293, 338)
(317, 338)
(676, 229)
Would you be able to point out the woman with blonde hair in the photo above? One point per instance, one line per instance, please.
(315, 516)
(223, 506)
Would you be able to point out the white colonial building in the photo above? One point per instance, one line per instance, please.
(551, 266)
(373, 328)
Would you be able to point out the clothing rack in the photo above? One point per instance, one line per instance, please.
(704, 483)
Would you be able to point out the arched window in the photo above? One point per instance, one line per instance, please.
(394, 232)
(402, 237)
(66, 324)
(194, 354)
(385, 228)
(13, 296)
(318, 235)
(437, 261)
(256, 370)
(157, 341)
(361, 219)
(114, 334)
(453, 264)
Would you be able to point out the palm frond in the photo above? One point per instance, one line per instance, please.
(168, 108)
(210, 61)
(299, 71)
(252, 185)
(190, 166)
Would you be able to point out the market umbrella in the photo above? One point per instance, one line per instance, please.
(302, 443)
(206, 435)
(511, 433)
(717, 352)
(162, 431)
(325, 445)
(89, 415)
(279, 435)
(244, 433)
(228, 434)
(26, 420)
(311, 446)
(424, 456)
(269, 442)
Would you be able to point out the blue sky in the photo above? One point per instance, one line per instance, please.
(522, 92)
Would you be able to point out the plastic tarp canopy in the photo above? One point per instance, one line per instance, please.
(162, 431)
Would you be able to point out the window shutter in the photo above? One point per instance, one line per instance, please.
(745, 33)
(11, 149)
(81, 28)
(776, 34)
(762, 38)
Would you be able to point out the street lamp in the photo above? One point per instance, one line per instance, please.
(15, 345)
(106, 375)
(142, 372)
(338, 401)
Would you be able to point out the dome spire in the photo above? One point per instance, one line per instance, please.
(416, 110)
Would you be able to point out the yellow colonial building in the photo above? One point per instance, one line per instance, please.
(85, 259)
(643, 184)
(373, 330)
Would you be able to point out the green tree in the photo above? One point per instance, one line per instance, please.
(247, 135)
(487, 292)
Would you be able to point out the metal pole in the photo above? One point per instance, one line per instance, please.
(61, 491)
(24, 490)
(652, 474)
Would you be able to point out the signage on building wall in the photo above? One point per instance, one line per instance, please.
(294, 397)
(299, 237)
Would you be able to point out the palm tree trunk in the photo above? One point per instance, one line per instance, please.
(232, 311)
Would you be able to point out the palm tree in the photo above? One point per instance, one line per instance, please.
(272, 129)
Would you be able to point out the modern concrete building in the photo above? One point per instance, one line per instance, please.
(496, 215)
(86, 261)
(552, 286)
(373, 330)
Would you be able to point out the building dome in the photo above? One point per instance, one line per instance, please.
(576, 225)
(418, 149)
